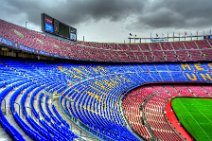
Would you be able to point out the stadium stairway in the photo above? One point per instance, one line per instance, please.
(75, 128)
(3, 135)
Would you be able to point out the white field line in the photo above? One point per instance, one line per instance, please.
(194, 119)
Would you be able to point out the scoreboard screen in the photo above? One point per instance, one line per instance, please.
(73, 34)
(48, 24)
(63, 30)
(55, 27)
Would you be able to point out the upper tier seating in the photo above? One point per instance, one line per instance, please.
(41, 43)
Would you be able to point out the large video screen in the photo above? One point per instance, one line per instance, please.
(48, 24)
(64, 30)
(55, 27)
(73, 34)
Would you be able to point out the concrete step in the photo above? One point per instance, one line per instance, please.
(10, 118)
(74, 127)
(3, 135)
(15, 125)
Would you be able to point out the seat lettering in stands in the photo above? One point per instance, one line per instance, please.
(198, 67)
(184, 66)
(206, 76)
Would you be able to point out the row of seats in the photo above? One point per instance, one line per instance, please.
(144, 107)
(34, 122)
(150, 52)
(156, 52)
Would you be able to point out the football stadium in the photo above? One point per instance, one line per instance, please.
(56, 87)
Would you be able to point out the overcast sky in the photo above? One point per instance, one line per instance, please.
(113, 20)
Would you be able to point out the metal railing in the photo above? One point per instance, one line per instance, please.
(19, 108)
(4, 108)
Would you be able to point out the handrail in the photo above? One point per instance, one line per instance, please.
(19, 108)
(29, 109)
(5, 105)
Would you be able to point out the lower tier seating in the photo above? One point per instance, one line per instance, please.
(144, 108)
(89, 94)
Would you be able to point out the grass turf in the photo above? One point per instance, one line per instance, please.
(195, 114)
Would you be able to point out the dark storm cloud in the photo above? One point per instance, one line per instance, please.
(76, 11)
(149, 14)
(110, 9)
(176, 14)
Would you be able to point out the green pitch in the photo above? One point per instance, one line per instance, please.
(195, 114)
